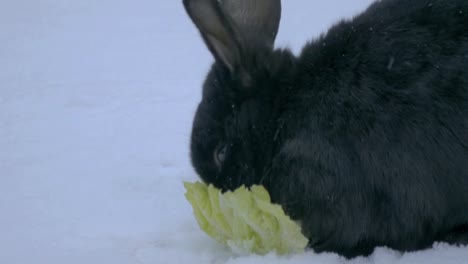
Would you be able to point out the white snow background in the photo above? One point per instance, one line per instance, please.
(96, 105)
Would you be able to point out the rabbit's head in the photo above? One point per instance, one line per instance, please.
(236, 124)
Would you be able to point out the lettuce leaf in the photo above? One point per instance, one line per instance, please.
(244, 220)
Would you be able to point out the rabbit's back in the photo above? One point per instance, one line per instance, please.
(379, 138)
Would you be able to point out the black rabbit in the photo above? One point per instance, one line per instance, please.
(363, 138)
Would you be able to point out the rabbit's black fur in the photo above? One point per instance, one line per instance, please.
(363, 138)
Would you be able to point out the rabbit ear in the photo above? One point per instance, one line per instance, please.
(257, 20)
(216, 30)
(229, 27)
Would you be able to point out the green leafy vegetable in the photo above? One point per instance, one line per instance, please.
(245, 220)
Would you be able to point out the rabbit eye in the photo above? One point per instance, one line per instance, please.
(220, 155)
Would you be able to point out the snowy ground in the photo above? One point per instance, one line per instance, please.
(96, 102)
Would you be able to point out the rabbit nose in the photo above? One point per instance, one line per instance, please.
(238, 175)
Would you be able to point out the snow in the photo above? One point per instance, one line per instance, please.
(96, 105)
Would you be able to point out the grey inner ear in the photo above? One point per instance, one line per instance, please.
(215, 29)
(226, 53)
(256, 20)
(230, 27)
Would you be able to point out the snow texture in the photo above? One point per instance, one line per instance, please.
(96, 105)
